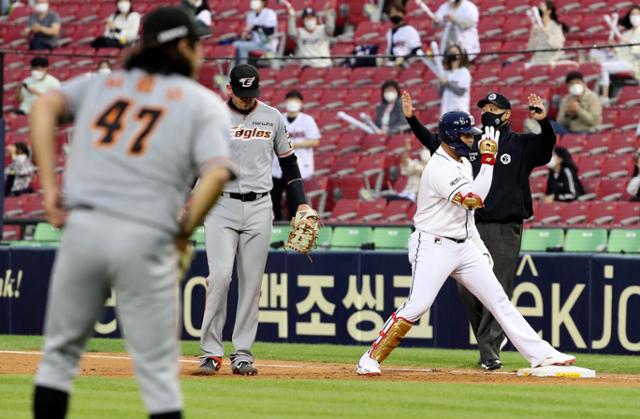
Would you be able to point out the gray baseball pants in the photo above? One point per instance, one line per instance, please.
(240, 231)
(98, 252)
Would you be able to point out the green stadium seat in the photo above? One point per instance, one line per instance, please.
(391, 237)
(324, 237)
(586, 240)
(624, 241)
(541, 239)
(350, 237)
(45, 232)
(198, 236)
(280, 233)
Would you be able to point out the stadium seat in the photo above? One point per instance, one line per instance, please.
(627, 214)
(350, 186)
(345, 210)
(586, 240)
(398, 211)
(345, 164)
(629, 97)
(198, 236)
(351, 237)
(617, 166)
(624, 241)
(541, 239)
(316, 189)
(371, 211)
(574, 143)
(323, 163)
(391, 237)
(311, 77)
(624, 143)
(10, 232)
(600, 213)
(590, 186)
(596, 144)
(45, 232)
(574, 213)
(591, 166)
(538, 187)
(548, 214)
(324, 237)
(279, 234)
(611, 189)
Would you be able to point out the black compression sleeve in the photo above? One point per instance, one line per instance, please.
(426, 137)
(291, 175)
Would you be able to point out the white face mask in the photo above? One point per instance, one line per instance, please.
(390, 96)
(41, 7)
(293, 106)
(124, 6)
(635, 20)
(104, 71)
(37, 74)
(552, 163)
(310, 24)
(21, 158)
(255, 4)
(576, 89)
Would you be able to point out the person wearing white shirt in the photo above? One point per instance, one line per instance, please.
(35, 85)
(203, 13)
(312, 40)
(447, 243)
(305, 136)
(403, 40)
(121, 28)
(459, 19)
(455, 85)
(259, 33)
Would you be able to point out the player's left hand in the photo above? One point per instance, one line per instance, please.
(56, 214)
(305, 225)
(536, 102)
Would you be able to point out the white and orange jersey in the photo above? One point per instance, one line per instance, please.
(139, 141)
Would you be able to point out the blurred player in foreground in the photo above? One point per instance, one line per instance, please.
(446, 243)
(141, 136)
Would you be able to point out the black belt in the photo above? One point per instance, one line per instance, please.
(459, 241)
(245, 197)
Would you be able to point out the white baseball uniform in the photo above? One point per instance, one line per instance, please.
(303, 128)
(460, 77)
(446, 243)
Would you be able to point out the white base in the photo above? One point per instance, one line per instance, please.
(557, 371)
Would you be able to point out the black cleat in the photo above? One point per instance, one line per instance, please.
(209, 366)
(244, 368)
(491, 364)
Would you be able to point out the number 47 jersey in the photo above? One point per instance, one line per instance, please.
(139, 142)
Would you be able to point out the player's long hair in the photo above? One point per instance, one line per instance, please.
(162, 59)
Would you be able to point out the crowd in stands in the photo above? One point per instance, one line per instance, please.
(592, 93)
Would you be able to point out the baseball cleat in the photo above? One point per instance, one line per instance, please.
(491, 364)
(558, 359)
(368, 366)
(209, 366)
(244, 368)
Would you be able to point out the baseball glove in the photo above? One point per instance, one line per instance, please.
(303, 237)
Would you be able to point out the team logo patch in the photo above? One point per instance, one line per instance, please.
(492, 96)
(473, 156)
(247, 81)
(505, 158)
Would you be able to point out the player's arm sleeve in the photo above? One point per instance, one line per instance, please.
(458, 190)
(212, 140)
(541, 145)
(292, 30)
(293, 178)
(426, 137)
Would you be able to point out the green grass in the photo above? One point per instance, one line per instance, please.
(97, 397)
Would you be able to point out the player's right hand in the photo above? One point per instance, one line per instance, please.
(56, 214)
(488, 146)
(407, 107)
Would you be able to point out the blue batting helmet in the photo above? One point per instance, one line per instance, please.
(451, 125)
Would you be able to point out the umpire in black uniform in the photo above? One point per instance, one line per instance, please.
(507, 205)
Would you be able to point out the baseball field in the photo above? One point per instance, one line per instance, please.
(297, 380)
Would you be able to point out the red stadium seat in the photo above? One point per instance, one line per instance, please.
(370, 211)
(350, 186)
(611, 189)
(628, 121)
(538, 187)
(373, 143)
(13, 207)
(311, 76)
(11, 232)
(323, 162)
(624, 143)
(590, 186)
(574, 213)
(317, 191)
(591, 166)
(345, 164)
(348, 143)
(398, 211)
(337, 76)
(629, 96)
(601, 213)
(596, 144)
(345, 210)
(627, 214)
(617, 166)
(362, 96)
(333, 98)
(548, 214)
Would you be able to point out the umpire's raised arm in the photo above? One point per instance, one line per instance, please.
(426, 137)
(540, 145)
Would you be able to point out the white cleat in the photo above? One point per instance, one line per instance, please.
(368, 366)
(558, 359)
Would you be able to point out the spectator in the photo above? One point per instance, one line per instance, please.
(203, 13)
(563, 183)
(403, 40)
(624, 59)
(455, 86)
(389, 116)
(19, 173)
(411, 168)
(121, 28)
(312, 40)
(194, 8)
(259, 33)
(43, 27)
(633, 188)
(549, 36)
(104, 68)
(38, 83)
(305, 136)
(460, 21)
(580, 110)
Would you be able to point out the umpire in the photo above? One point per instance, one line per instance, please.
(507, 205)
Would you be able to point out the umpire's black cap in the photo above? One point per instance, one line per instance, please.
(245, 81)
(496, 99)
(167, 24)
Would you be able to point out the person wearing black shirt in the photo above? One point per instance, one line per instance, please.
(563, 183)
(507, 205)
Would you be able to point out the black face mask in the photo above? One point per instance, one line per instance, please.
(451, 57)
(492, 119)
(395, 19)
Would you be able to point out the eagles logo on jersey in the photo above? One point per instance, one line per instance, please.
(239, 133)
